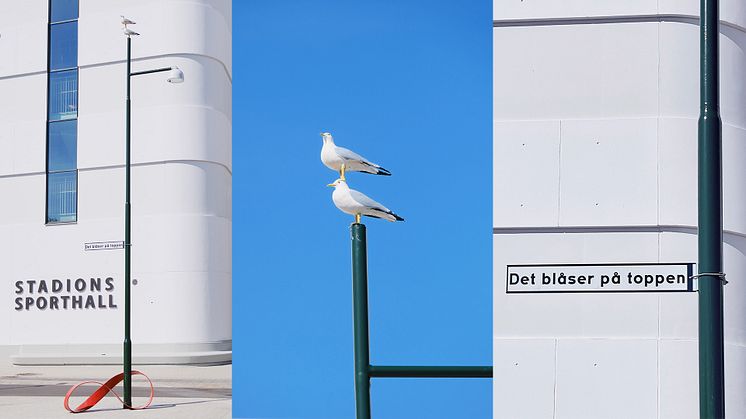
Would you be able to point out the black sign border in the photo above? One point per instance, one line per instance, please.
(689, 272)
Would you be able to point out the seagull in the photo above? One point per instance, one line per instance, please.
(129, 32)
(126, 21)
(341, 159)
(353, 202)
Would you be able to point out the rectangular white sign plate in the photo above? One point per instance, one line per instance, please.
(110, 245)
(632, 277)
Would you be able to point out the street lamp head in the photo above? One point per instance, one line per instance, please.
(175, 75)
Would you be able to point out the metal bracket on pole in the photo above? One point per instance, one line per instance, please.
(363, 370)
(720, 275)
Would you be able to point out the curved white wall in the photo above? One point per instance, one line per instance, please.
(595, 133)
(181, 181)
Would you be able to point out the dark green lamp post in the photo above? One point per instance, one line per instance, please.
(176, 76)
(710, 232)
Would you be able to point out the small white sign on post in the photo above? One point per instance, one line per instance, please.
(110, 245)
(632, 277)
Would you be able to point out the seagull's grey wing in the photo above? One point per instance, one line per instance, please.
(367, 166)
(362, 199)
(350, 155)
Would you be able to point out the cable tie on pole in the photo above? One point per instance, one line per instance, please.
(720, 275)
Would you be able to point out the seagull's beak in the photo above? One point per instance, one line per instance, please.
(331, 184)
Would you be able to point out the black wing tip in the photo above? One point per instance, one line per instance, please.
(378, 170)
(396, 217)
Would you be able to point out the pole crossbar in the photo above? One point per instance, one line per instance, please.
(363, 370)
(429, 371)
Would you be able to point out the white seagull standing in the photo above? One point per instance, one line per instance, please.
(126, 21)
(127, 31)
(343, 160)
(353, 202)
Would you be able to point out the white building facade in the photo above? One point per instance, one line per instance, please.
(595, 161)
(62, 130)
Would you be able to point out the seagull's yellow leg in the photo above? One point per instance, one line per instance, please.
(342, 172)
(357, 218)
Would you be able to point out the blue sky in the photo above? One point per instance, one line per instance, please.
(408, 84)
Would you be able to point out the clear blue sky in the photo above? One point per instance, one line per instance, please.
(408, 84)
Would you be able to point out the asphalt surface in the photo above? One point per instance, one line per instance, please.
(183, 392)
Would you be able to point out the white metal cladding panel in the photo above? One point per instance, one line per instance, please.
(686, 7)
(524, 375)
(734, 294)
(526, 173)
(573, 315)
(735, 381)
(188, 188)
(22, 124)
(28, 203)
(181, 230)
(519, 9)
(197, 291)
(23, 46)
(166, 189)
(678, 313)
(185, 243)
(182, 307)
(561, 72)
(732, 70)
(162, 305)
(22, 147)
(24, 99)
(679, 391)
(173, 27)
(679, 70)
(677, 171)
(606, 378)
(188, 121)
(733, 11)
(608, 172)
(734, 178)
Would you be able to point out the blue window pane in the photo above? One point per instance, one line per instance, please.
(63, 95)
(63, 46)
(62, 197)
(62, 151)
(64, 10)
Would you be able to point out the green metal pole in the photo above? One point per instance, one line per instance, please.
(127, 357)
(423, 371)
(360, 320)
(710, 234)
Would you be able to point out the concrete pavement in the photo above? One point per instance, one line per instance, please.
(183, 392)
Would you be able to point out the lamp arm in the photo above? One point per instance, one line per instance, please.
(157, 70)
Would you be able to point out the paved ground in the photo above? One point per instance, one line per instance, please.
(182, 392)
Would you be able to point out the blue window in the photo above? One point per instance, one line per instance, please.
(62, 113)
(62, 10)
(63, 95)
(63, 46)
(62, 150)
(62, 197)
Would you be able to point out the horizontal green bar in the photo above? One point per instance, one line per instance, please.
(405, 371)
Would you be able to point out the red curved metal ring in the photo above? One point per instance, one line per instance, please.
(107, 387)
